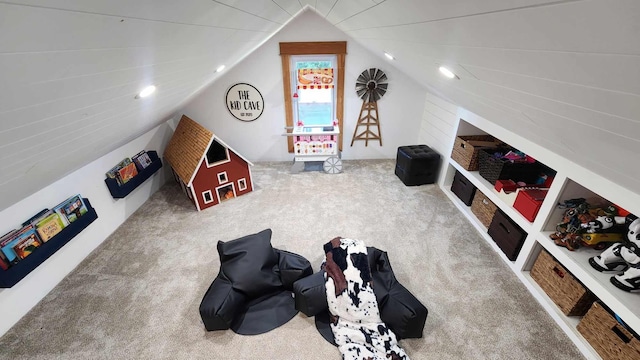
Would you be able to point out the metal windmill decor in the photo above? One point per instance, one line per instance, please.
(370, 86)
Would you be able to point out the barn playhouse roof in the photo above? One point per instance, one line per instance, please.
(188, 147)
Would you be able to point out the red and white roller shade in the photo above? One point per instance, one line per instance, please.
(315, 78)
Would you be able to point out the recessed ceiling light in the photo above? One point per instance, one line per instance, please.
(448, 73)
(220, 68)
(146, 91)
(389, 56)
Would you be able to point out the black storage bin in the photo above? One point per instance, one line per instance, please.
(492, 169)
(463, 188)
(507, 235)
(417, 165)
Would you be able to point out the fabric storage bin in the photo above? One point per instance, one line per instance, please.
(528, 202)
(466, 147)
(564, 289)
(610, 339)
(463, 188)
(506, 234)
(483, 208)
(492, 169)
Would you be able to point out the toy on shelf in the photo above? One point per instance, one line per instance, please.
(586, 225)
(623, 257)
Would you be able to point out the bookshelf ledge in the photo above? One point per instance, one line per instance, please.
(18, 271)
(121, 191)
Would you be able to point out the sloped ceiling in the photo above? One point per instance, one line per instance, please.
(565, 74)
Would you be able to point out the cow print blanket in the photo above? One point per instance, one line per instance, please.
(355, 320)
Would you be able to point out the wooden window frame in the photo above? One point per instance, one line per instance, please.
(287, 49)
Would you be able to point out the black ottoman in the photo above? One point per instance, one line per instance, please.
(417, 165)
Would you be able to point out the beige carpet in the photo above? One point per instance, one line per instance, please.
(137, 295)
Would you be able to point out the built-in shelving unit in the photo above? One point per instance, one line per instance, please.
(11, 276)
(571, 181)
(121, 191)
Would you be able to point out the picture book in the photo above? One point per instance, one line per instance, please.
(113, 172)
(35, 217)
(26, 245)
(142, 160)
(8, 234)
(58, 210)
(49, 226)
(74, 208)
(4, 264)
(127, 173)
(7, 246)
(7, 237)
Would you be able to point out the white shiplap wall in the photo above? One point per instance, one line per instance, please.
(438, 126)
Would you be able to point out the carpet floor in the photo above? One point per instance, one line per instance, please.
(137, 295)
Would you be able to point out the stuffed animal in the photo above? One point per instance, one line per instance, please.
(623, 257)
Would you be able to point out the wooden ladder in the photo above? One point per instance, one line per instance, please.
(368, 119)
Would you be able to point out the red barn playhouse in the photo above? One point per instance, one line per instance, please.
(206, 168)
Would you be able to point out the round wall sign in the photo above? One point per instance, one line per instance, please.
(244, 102)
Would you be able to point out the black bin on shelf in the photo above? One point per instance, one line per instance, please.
(507, 235)
(463, 188)
(417, 165)
(492, 169)
(120, 191)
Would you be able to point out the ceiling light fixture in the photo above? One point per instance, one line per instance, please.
(146, 92)
(448, 73)
(220, 68)
(389, 56)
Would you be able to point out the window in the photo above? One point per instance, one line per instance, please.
(222, 177)
(217, 154)
(242, 184)
(313, 83)
(206, 195)
(310, 52)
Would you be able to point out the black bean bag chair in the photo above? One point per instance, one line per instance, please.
(403, 313)
(252, 293)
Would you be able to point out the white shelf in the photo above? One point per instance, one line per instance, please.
(466, 210)
(571, 181)
(626, 305)
(483, 185)
(567, 323)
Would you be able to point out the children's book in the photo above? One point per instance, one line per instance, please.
(74, 208)
(4, 239)
(142, 160)
(49, 226)
(36, 217)
(127, 173)
(26, 245)
(4, 264)
(8, 245)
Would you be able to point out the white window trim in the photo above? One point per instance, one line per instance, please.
(241, 182)
(233, 188)
(210, 165)
(226, 177)
(210, 196)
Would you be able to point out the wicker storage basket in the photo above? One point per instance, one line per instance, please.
(465, 150)
(483, 208)
(607, 336)
(492, 169)
(567, 292)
